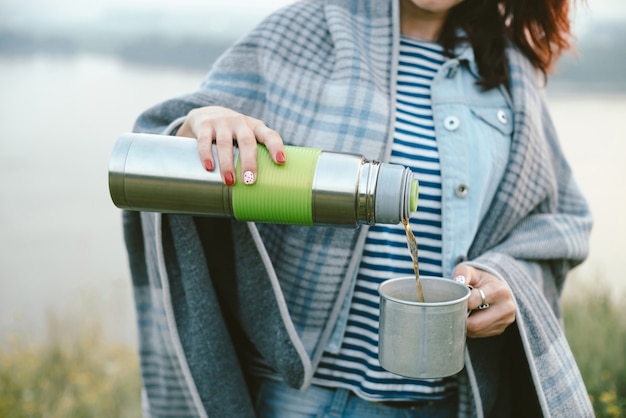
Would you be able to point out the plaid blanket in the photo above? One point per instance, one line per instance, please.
(323, 75)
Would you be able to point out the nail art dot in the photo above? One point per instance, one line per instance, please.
(249, 177)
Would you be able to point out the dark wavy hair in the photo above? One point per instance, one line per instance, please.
(539, 28)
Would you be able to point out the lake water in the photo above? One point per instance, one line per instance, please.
(61, 247)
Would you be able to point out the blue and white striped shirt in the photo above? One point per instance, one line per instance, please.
(356, 366)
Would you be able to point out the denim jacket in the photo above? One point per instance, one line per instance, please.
(473, 130)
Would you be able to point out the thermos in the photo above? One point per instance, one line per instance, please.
(161, 173)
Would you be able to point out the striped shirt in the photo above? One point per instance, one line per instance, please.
(356, 366)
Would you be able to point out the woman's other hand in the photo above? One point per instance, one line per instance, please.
(499, 315)
(226, 127)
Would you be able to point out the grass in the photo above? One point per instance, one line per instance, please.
(75, 377)
(79, 374)
(596, 330)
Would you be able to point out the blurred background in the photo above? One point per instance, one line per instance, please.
(74, 75)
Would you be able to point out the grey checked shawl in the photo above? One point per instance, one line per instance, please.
(322, 74)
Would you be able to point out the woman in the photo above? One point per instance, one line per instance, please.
(273, 320)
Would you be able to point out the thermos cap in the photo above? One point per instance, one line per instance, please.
(414, 193)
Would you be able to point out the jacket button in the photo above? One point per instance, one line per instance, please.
(503, 117)
(451, 123)
(461, 190)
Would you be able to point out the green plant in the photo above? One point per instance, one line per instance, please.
(69, 376)
(595, 325)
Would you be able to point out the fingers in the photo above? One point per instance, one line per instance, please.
(224, 146)
(498, 305)
(205, 139)
(225, 127)
(194, 126)
(495, 292)
(247, 141)
(490, 322)
(272, 141)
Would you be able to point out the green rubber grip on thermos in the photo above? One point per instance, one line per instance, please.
(282, 193)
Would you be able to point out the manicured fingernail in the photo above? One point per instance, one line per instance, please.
(460, 278)
(229, 178)
(249, 177)
(280, 157)
(208, 165)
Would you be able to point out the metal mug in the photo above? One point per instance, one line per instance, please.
(422, 340)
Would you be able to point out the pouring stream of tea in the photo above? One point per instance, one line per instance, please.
(412, 244)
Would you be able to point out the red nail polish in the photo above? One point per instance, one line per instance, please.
(229, 178)
(208, 165)
(280, 157)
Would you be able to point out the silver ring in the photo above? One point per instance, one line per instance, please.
(484, 304)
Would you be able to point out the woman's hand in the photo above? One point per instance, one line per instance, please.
(499, 315)
(225, 127)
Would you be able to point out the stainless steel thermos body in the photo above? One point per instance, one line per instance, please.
(314, 187)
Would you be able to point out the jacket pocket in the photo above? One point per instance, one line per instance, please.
(500, 118)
